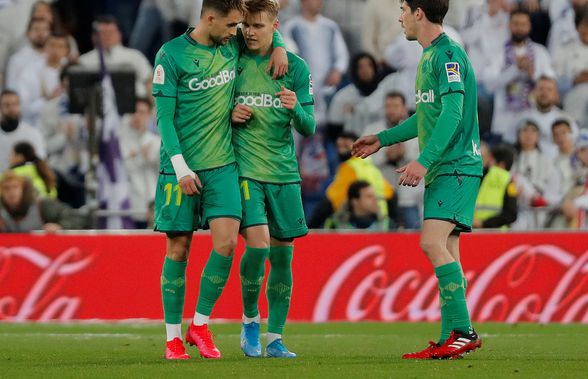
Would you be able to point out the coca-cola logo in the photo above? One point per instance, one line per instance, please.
(43, 300)
(381, 292)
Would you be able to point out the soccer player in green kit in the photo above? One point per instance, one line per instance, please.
(193, 85)
(273, 216)
(446, 123)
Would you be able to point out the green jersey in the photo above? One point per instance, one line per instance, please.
(446, 119)
(264, 145)
(201, 79)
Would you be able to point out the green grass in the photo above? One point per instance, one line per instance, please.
(336, 350)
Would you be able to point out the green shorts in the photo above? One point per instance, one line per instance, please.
(219, 197)
(279, 206)
(452, 198)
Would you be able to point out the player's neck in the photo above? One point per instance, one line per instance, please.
(200, 35)
(429, 33)
(263, 51)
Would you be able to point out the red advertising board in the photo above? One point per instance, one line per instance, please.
(540, 277)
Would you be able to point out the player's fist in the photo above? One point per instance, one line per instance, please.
(288, 98)
(412, 174)
(365, 146)
(241, 114)
(190, 185)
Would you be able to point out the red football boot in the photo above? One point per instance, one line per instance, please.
(202, 338)
(457, 344)
(175, 349)
(427, 353)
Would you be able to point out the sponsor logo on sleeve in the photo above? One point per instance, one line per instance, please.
(159, 75)
(452, 70)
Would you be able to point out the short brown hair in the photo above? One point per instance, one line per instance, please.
(271, 7)
(223, 7)
(435, 10)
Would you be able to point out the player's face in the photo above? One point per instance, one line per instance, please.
(223, 28)
(12, 193)
(259, 31)
(546, 93)
(395, 110)
(10, 106)
(520, 27)
(562, 135)
(408, 21)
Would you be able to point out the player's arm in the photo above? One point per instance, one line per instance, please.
(400, 133)
(302, 110)
(165, 84)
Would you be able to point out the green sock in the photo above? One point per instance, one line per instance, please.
(279, 287)
(214, 277)
(252, 271)
(453, 302)
(173, 289)
(446, 325)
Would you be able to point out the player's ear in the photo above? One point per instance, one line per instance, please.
(276, 24)
(210, 18)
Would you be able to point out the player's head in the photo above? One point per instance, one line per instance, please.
(546, 93)
(416, 12)
(261, 20)
(221, 18)
(581, 21)
(9, 106)
(520, 25)
(362, 199)
(38, 32)
(107, 32)
(395, 109)
(561, 133)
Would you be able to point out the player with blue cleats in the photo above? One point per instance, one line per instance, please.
(276, 349)
(250, 344)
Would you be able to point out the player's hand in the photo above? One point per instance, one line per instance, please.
(279, 62)
(365, 146)
(288, 98)
(412, 174)
(241, 114)
(190, 185)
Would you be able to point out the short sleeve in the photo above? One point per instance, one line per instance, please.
(165, 75)
(303, 83)
(450, 68)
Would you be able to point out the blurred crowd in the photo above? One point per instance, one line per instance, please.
(531, 64)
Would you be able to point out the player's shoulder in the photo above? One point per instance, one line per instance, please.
(449, 49)
(295, 60)
(173, 45)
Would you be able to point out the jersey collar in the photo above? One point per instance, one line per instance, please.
(438, 39)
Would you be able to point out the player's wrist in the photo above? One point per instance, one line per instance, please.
(181, 167)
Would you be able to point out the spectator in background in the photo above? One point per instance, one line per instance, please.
(563, 31)
(390, 158)
(571, 65)
(25, 162)
(496, 205)
(532, 171)
(545, 111)
(140, 151)
(575, 205)
(21, 211)
(360, 211)
(364, 75)
(321, 44)
(117, 56)
(288, 9)
(351, 169)
(38, 33)
(379, 27)
(511, 75)
(12, 130)
(39, 81)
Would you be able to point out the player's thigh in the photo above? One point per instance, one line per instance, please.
(253, 202)
(174, 211)
(256, 236)
(285, 211)
(452, 198)
(220, 194)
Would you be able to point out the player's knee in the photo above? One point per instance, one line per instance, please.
(430, 247)
(227, 246)
(178, 252)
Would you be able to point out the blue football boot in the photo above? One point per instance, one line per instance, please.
(277, 349)
(250, 340)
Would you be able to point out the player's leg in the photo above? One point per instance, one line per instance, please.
(174, 214)
(286, 222)
(221, 210)
(446, 324)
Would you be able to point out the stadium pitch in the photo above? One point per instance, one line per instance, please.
(334, 350)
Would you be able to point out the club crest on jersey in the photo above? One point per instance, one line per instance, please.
(159, 75)
(452, 70)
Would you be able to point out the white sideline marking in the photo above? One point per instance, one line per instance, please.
(80, 336)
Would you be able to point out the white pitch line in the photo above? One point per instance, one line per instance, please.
(81, 336)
